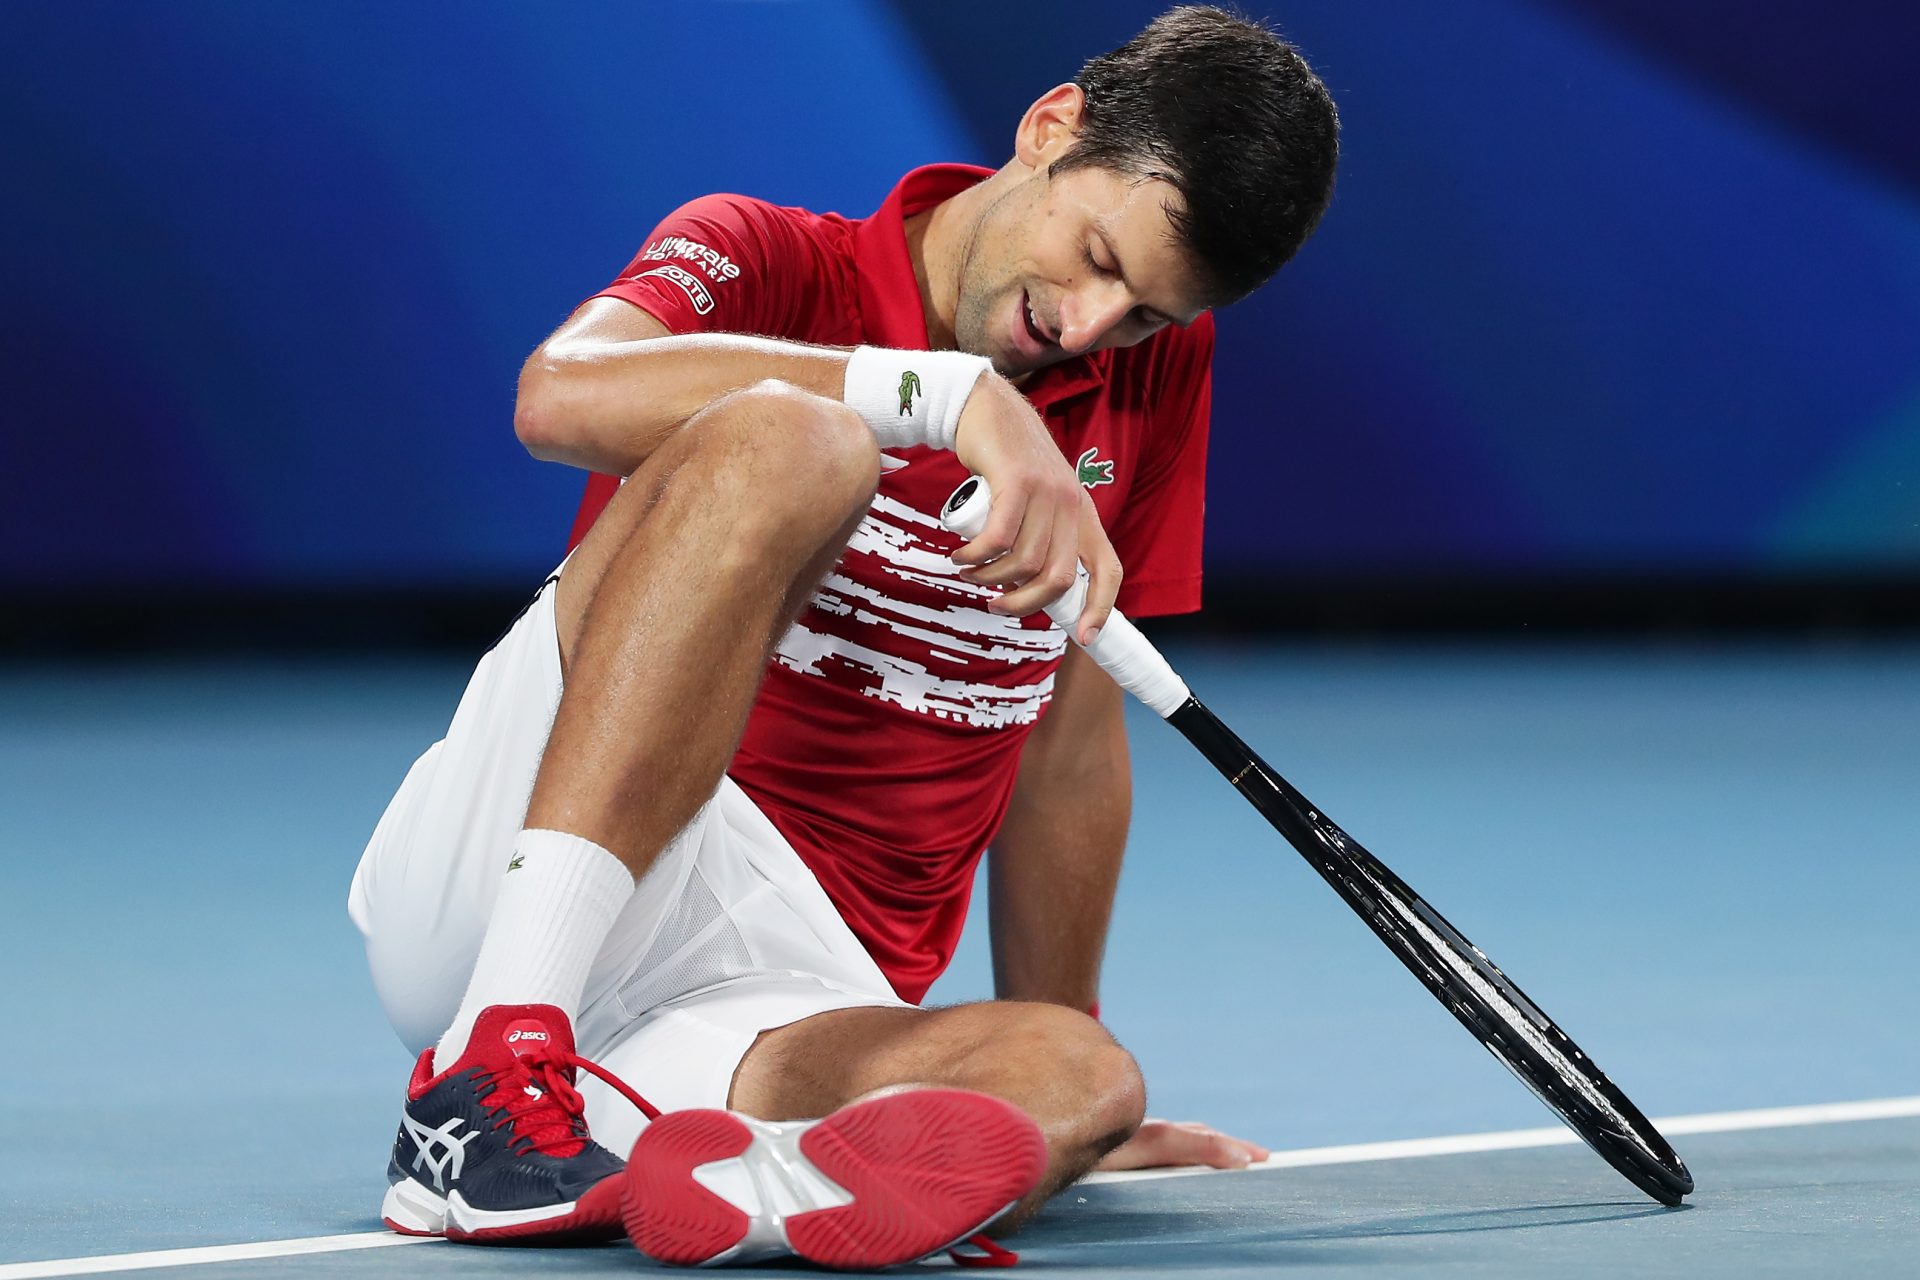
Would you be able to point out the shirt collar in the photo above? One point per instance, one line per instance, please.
(890, 312)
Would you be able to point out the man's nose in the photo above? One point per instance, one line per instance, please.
(1088, 312)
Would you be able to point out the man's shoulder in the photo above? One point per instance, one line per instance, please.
(751, 215)
(728, 236)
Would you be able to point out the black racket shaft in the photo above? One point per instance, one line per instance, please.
(1362, 880)
(1511, 1027)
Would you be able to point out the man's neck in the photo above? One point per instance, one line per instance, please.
(936, 245)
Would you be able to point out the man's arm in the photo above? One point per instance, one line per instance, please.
(611, 383)
(607, 387)
(1052, 873)
(1055, 863)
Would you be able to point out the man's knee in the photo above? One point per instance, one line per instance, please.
(794, 466)
(1119, 1091)
(1112, 1094)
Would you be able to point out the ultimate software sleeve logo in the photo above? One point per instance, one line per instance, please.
(717, 267)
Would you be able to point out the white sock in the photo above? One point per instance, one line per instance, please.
(557, 903)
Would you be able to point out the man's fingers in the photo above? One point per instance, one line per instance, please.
(1214, 1149)
(1228, 1148)
(1033, 564)
(1002, 529)
(1044, 558)
(1160, 1143)
(1058, 565)
(1020, 567)
(1022, 561)
(1103, 573)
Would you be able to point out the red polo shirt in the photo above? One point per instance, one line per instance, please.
(886, 738)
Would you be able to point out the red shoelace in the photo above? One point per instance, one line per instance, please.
(990, 1255)
(536, 1096)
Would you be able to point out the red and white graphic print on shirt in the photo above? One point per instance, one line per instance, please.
(886, 737)
(894, 620)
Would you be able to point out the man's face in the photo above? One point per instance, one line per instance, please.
(1061, 266)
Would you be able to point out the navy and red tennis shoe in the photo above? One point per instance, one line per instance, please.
(495, 1149)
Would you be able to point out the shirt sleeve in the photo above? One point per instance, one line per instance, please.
(723, 264)
(1158, 534)
(719, 264)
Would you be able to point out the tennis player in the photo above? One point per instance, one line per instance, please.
(706, 819)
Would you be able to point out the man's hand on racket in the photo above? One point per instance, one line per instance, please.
(1043, 525)
(1161, 1143)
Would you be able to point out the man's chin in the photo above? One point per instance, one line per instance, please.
(1021, 366)
(1008, 364)
(1010, 361)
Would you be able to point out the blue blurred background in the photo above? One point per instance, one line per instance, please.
(1612, 290)
(1615, 322)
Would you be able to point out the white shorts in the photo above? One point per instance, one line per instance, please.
(727, 935)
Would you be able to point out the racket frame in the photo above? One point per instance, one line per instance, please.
(1596, 1112)
(1590, 1104)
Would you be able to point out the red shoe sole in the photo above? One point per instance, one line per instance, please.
(924, 1168)
(670, 1217)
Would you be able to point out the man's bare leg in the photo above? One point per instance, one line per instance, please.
(665, 615)
(1059, 1065)
(668, 609)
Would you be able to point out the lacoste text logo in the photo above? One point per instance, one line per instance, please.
(1094, 474)
(452, 1148)
(909, 388)
(696, 292)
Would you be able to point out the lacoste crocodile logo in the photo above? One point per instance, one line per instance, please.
(1093, 474)
(909, 388)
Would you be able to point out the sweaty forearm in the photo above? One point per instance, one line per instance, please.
(606, 406)
(1055, 861)
(1054, 869)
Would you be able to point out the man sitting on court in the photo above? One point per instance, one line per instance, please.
(710, 809)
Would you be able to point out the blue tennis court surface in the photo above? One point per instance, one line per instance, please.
(1701, 861)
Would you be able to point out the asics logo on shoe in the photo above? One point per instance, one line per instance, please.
(526, 1036)
(451, 1148)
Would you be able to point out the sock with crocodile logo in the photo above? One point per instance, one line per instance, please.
(558, 900)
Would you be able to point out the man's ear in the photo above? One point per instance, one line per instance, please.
(1050, 127)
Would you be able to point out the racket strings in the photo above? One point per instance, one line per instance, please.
(1504, 1008)
(1512, 1017)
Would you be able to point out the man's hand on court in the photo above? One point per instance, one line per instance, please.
(1042, 525)
(1160, 1143)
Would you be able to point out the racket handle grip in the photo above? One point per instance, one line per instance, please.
(1120, 649)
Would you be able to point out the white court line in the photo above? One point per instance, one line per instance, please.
(1461, 1144)
(1556, 1136)
(210, 1253)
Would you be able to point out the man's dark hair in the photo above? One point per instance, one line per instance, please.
(1232, 117)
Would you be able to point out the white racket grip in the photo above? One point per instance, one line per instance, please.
(1120, 649)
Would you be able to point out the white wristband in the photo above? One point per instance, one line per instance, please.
(911, 397)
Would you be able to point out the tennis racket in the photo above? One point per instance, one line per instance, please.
(1457, 973)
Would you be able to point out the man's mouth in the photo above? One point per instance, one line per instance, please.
(1034, 331)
